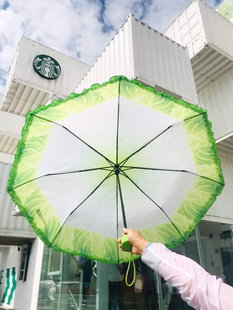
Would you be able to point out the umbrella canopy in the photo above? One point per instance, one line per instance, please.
(116, 155)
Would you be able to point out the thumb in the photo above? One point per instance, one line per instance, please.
(125, 230)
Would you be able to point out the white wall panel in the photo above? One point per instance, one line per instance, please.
(11, 124)
(138, 51)
(222, 209)
(30, 288)
(22, 71)
(218, 30)
(162, 63)
(216, 98)
(205, 26)
(116, 59)
(12, 226)
(9, 258)
(188, 29)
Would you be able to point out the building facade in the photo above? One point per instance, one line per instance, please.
(193, 60)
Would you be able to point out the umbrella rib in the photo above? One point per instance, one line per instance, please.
(118, 120)
(171, 170)
(94, 190)
(157, 136)
(124, 174)
(60, 173)
(122, 202)
(64, 127)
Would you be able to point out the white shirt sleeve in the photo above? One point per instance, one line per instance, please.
(197, 287)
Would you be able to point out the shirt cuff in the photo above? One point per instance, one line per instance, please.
(148, 245)
(151, 255)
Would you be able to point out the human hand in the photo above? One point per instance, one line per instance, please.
(135, 238)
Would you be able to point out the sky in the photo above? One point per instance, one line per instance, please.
(78, 28)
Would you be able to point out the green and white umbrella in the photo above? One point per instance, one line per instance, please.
(118, 154)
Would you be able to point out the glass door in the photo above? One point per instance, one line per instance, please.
(67, 282)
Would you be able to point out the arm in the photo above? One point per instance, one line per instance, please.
(198, 288)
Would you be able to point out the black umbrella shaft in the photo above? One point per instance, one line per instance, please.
(122, 203)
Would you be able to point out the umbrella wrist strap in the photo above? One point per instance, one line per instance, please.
(127, 272)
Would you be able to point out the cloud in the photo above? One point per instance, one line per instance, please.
(71, 27)
(79, 28)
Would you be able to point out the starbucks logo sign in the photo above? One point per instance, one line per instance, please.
(47, 67)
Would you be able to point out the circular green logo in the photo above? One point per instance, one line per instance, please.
(47, 67)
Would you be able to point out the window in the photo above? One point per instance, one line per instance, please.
(26, 251)
(217, 248)
(66, 285)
